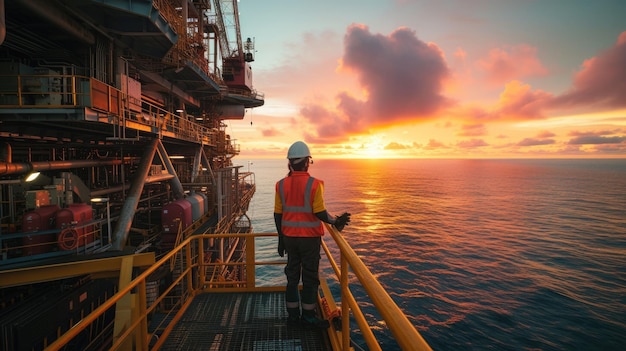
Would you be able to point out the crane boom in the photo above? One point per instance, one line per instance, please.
(230, 31)
(236, 70)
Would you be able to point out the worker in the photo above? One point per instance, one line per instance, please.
(299, 211)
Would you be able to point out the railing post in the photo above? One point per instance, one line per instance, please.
(201, 266)
(142, 338)
(74, 90)
(123, 309)
(250, 262)
(345, 306)
(188, 265)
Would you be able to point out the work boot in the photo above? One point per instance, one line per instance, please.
(293, 316)
(309, 319)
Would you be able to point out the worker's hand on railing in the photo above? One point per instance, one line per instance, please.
(342, 221)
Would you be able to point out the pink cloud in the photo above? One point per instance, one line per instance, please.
(516, 62)
(270, 132)
(471, 144)
(545, 134)
(600, 83)
(601, 80)
(473, 130)
(434, 144)
(519, 102)
(401, 75)
(402, 78)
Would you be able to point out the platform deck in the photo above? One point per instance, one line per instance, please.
(242, 321)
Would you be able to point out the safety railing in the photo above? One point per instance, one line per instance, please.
(196, 273)
(63, 91)
(403, 331)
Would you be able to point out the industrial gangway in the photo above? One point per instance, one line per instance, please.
(201, 309)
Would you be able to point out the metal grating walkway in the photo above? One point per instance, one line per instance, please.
(242, 321)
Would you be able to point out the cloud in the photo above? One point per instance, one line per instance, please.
(402, 74)
(591, 139)
(401, 80)
(587, 133)
(434, 144)
(543, 138)
(471, 144)
(515, 62)
(608, 149)
(270, 132)
(534, 142)
(396, 146)
(519, 102)
(401, 77)
(545, 134)
(600, 137)
(473, 130)
(601, 80)
(329, 125)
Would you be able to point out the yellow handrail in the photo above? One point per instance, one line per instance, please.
(405, 334)
(133, 327)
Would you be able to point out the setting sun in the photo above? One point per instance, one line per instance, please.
(371, 147)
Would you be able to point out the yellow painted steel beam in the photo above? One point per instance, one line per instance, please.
(39, 274)
(123, 308)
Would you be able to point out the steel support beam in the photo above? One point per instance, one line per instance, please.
(132, 199)
(110, 266)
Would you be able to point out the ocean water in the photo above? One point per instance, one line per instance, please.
(481, 254)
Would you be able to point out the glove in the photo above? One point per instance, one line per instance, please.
(342, 221)
(281, 246)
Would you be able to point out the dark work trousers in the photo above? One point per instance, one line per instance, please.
(303, 260)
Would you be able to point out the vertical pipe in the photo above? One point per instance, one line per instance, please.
(177, 187)
(3, 23)
(132, 200)
(109, 220)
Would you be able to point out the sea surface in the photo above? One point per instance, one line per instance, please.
(480, 254)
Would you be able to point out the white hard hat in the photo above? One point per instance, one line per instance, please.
(298, 150)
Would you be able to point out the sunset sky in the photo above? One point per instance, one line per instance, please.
(448, 78)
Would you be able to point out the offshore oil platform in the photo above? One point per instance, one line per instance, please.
(119, 108)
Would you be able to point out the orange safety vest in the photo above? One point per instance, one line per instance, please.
(297, 193)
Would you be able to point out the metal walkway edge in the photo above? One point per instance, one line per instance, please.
(242, 321)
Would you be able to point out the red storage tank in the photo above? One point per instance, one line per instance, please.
(197, 206)
(39, 220)
(173, 215)
(71, 220)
